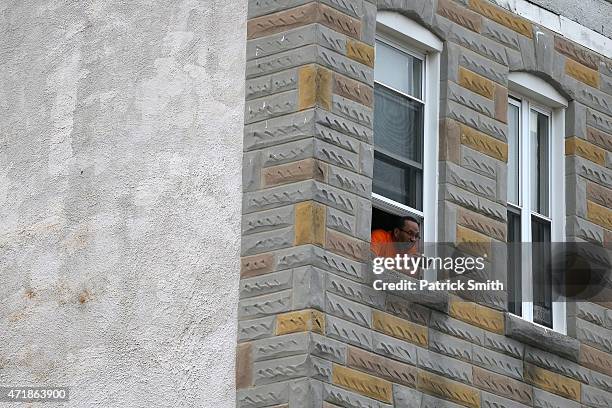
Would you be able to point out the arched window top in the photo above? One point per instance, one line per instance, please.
(407, 31)
(536, 88)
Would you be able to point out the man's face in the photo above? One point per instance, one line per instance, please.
(410, 233)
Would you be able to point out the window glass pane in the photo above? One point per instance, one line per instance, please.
(542, 271)
(539, 129)
(398, 69)
(398, 124)
(513, 154)
(514, 281)
(397, 181)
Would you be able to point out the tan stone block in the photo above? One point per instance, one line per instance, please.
(582, 73)
(353, 90)
(314, 87)
(244, 365)
(360, 52)
(482, 224)
(501, 103)
(595, 359)
(460, 15)
(256, 265)
(599, 214)
(599, 194)
(576, 52)
(473, 242)
(339, 21)
(502, 385)
(450, 141)
(484, 143)
(296, 171)
(400, 328)
(503, 17)
(346, 245)
(302, 320)
(552, 382)
(476, 83)
(309, 223)
(582, 148)
(448, 389)
(599, 138)
(478, 315)
(362, 383)
(383, 367)
(282, 21)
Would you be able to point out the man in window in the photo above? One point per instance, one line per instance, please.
(402, 239)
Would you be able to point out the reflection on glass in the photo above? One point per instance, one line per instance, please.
(542, 271)
(539, 131)
(513, 154)
(397, 69)
(397, 181)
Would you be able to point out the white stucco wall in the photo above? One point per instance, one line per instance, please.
(120, 166)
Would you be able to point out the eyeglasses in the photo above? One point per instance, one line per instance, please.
(411, 234)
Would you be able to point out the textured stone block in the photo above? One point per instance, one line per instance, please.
(581, 147)
(347, 246)
(350, 181)
(303, 320)
(308, 288)
(445, 366)
(404, 397)
(481, 316)
(514, 22)
(327, 348)
(345, 126)
(474, 202)
(552, 382)
(448, 389)
(314, 87)
(476, 83)
(271, 84)
(595, 359)
(503, 386)
(264, 284)
(467, 179)
(600, 381)
(348, 332)
(256, 265)
(283, 20)
(470, 99)
(483, 67)
(599, 120)
(482, 224)
(269, 304)
(557, 364)
(345, 66)
(488, 400)
(457, 328)
(540, 337)
(475, 120)
(450, 144)
(592, 313)
(497, 362)
(594, 336)
(284, 41)
(280, 346)
(282, 369)
(407, 310)
(382, 367)
(341, 397)
(263, 221)
(352, 110)
(267, 241)
(362, 383)
(582, 73)
(360, 52)
(284, 60)
(501, 103)
(355, 291)
(501, 34)
(473, 243)
(600, 215)
(394, 348)
(340, 265)
(460, 15)
(306, 169)
(599, 138)
(348, 310)
(472, 41)
(260, 7)
(244, 365)
(484, 143)
(450, 346)
(332, 154)
(576, 52)
(588, 170)
(399, 328)
(309, 223)
(279, 130)
(543, 399)
(353, 90)
(256, 328)
(263, 396)
(504, 344)
(341, 221)
(268, 107)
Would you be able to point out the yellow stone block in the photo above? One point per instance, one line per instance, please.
(294, 171)
(484, 143)
(580, 72)
(476, 83)
(314, 87)
(473, 242)
(400, 328)
(361, 52)
(448, 389)
(362, 383)
(300, 321)
(589, 151)
(478, 315)
(553, 382)
(309, 223)
(513, 22)
(599, 214)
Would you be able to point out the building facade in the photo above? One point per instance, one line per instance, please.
(489, 122)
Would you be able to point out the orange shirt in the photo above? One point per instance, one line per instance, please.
(382, 244)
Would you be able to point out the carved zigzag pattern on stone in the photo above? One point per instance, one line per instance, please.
(334, 19)
(346, 247)
(362, 386)
(604, 123)
(487, 229)
(480, 320)
(345, 67)
(395, 350)
(481, 48)
(468, 203)
(458, 18)
(336, 139)
(323, 349)
(457, 97)
(256, 327)
(344, 126)
(283, 371)
(478, 124)
(576, 54)
(501, 37)
(249, 288)
(350, 335)
(275, 347)
(594, 360)
(585, 314)
(449, 350)
(600, 138)
(335, 158)
(492, 362)
(599, 176)
(602, 382)
(363, 56)
(267, 110)
(398, 331)
(381, 370)
(442, 326)
(505, 389)
(336, 307)
(260, 400)
(342, 201)
(472, 186)
(551, 384)
(351, 185)
(596, 339)
(346, 400)
(412, 314)
(598, 102)
(269, 306)
(597, 400)
(286, 155)
(356, 91)
(257, 224)
(286, 42)
(340, 266)
(442, 389)
(339, 223)
(333, 43)
(480, 165)
(277, 198)
(436, 366)
(504, 347)
(352, 113)
(255, 264)
(477, 67)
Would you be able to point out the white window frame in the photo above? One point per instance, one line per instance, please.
(409, 36)
(534, 93)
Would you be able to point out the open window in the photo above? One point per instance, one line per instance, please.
(536, 197)
(406, 90)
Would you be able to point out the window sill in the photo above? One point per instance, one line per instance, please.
(541, 337)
